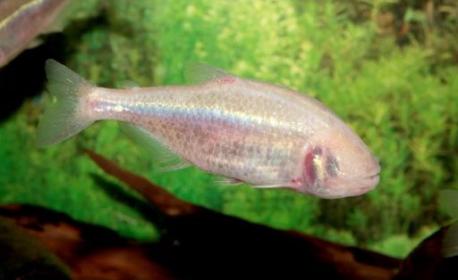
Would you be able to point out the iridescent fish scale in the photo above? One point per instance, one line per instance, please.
(224, 128)
(249, 131)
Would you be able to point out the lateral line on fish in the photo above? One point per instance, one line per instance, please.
(18, 12)
(228, 117)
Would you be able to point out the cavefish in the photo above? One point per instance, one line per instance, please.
(244, 130)
(21, 21)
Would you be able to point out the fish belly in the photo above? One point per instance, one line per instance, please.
(260, 157)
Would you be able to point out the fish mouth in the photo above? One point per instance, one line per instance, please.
(375, 176)
(343, 186)
(367, 183)
(355, 186)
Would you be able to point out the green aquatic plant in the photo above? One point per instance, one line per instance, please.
(401, 100)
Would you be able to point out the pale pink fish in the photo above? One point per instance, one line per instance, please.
(253, 132)
(21, 21)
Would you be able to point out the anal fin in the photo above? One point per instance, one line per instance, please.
(236, 182)
(269, 186)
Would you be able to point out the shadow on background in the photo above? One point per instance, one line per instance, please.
(116, 192)
(24, 77)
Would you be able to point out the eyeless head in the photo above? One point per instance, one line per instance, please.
(339, 166)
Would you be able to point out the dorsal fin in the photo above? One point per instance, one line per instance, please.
(197, 73)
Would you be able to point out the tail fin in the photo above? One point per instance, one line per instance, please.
(64, 117)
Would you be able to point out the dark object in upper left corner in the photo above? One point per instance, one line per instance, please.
(24, 77)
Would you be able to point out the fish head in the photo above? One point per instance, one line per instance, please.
(338, 164)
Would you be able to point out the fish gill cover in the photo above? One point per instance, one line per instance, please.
(383, 68)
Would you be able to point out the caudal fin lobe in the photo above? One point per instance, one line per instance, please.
(65, 114)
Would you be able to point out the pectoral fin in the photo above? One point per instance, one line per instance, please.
(167, 159)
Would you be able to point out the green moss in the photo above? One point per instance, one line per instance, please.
(402, 101)
(401, 245)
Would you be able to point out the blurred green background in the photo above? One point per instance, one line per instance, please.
(389, 68)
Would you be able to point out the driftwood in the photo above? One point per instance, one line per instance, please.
(426, 261)
(197, 243)
(91, 252)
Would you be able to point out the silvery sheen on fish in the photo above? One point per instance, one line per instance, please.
(245, 130)
(21, 21)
